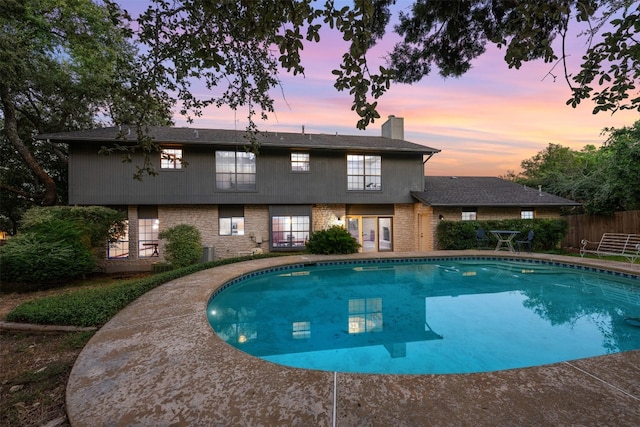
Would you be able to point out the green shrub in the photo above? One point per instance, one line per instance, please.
(98, 224)
(548, 233)
(334, 240)
(96, 306)
(184, 245)
(48, 253)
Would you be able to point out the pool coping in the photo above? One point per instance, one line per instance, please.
(159, 363)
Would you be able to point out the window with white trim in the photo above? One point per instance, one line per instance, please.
(364, 172)
(527, 213)
(171, 158)
(299, 162)
(469, 214)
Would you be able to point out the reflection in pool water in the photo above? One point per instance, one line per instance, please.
(427, 316)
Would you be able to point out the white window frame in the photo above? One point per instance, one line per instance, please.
(171, 158)
(300, 162)
(527, 213)
(469, 214)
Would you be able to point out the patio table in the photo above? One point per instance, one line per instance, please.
(505, 239)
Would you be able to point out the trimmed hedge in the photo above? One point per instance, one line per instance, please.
(95, 306)
(457, 235)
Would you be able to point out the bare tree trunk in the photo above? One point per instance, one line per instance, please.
(50, 196)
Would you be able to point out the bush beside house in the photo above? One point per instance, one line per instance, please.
(456, 235)
(184, 245)
(55, 244)
(334, 240)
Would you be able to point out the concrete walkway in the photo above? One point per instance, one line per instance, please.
(158, 363)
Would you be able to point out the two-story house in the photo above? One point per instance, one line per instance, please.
(242, 202)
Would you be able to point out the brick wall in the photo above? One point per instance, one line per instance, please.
(404, 228)
(205, 219)
(325, 216)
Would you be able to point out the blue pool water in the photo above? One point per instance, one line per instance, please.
(427, 316)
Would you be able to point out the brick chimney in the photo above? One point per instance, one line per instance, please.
(393, 128)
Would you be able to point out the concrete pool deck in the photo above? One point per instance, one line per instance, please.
(159, 363)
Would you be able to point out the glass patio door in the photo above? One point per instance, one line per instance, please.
(373, 233)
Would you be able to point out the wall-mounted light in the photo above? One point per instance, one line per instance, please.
(440, 217)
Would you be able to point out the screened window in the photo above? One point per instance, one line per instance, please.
(231, 221)
(148, 237)
(299, 162)
(171, 158)
(469, 215)
(527, 213)
(235, 171)
(290, 231)
(364, 172)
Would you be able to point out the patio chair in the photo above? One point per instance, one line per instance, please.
(482, 240)
(528, 243)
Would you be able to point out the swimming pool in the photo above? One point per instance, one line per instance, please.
(422, 316)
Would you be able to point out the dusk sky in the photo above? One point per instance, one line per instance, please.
(485, 122)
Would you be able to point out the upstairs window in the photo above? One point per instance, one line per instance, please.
(171, 158)
(235, 171)
(364, 172)
(299, 162)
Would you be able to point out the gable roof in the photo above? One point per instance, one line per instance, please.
(483, 191)
(232, 138)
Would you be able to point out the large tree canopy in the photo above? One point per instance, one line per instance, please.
(604, 180)
(239, 47)
(64, 65)
(75, 64)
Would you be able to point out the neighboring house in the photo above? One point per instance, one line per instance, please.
(486, 198)
(299, 183)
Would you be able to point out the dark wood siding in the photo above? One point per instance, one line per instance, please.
(106, 180)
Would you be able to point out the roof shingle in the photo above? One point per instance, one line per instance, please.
(484, 191)
(193, 136)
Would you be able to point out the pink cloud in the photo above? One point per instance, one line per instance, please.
(485, 122)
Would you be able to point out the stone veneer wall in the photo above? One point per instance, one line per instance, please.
(205, 219)
(325, 216)
(405, 228)
(132, 263)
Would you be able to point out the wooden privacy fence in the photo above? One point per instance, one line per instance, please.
(592, 227)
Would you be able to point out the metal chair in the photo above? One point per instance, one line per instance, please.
(482, 240)
(528, 243)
